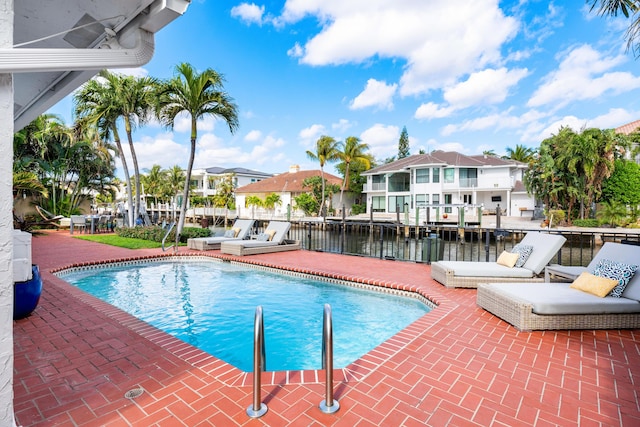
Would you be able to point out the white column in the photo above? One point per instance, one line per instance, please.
(6, 223)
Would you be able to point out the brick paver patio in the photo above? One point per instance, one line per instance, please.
(76, 357)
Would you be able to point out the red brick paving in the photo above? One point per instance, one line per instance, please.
(76, 357)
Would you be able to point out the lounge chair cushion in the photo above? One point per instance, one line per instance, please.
(524, 251)
(560, 298)
(618, 271)
(507, 259)
(595, 285)
(545, 247)
(230, 233)
(484, 269)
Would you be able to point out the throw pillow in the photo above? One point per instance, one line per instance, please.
(524, 251)
(595, 285)
(263, 237)
(507, 259)
(618, 271)
(271, 233)
(229, 233)
(237, 231)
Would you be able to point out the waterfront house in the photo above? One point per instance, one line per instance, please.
(288, 186)
(204, 181)
(448, 179)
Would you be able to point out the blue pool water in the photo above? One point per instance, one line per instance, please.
(211, 305)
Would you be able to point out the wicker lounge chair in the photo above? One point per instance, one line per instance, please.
(277, 243)
(467, 274)
(210, 243)
(542, 306)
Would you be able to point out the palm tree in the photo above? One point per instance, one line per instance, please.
(627, 8)
(520, 153)
(97, 102)
(353, 150)
(326, 151)
(153, 181)
(270, 202)
(174, 183)
(199, 95)
(253, 201)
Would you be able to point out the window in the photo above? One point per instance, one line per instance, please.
(449, 175)
(422, 176)
(377, 182)
(399, 182)
(422, 200)
(496, 198)
(468, 177)
(448, 199)
(378, 204)
(436, 199)
(436, 175)
(468, 199)
(397, 203)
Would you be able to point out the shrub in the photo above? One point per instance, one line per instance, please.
(589, 222)
(357, 209)
(156, 234)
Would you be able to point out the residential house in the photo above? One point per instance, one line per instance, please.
(204, 181)
(450, 179)
(627, 129)
(288, 186)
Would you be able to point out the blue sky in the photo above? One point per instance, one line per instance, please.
(465, 75)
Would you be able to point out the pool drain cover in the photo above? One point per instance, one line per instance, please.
(133, 393)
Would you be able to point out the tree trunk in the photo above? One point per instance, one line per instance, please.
(127, 178)
(185, 193)
(136, 171)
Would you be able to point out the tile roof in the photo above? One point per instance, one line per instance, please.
(286, 182)
(442, 158)
(628, 128)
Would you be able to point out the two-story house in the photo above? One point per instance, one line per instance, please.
(204, 181)
(448, 179)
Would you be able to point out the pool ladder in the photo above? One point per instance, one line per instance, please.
(329, 405)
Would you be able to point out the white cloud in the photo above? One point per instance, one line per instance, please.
(382, 140)
(309, 136)
(450, 146)
(431, 110)
(253, 135)
(434, 37)
(248, 13)
(582, 75)
(135, 72)
(490, 86)
(376, 94)
(182, 123)
(159, 150)
(341, 125)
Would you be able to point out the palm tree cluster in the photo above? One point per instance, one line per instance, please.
(353, 156)
(570, 168)
(113, 99)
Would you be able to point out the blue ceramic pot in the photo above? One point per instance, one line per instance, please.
(26, 295)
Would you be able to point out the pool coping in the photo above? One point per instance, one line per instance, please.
(232, 376)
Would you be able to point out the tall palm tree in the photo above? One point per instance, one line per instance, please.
(520, 153)
(199, 95)
(326, 151)
(98, 102)
(153, 181)
(628, 8)
(353, 150)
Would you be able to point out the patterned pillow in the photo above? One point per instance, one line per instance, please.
(616, 270)
(230, 233)
(524, 251)
(263, 237)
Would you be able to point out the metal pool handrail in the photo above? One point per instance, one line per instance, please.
(258, 408)
(329, 405)
(173, 224)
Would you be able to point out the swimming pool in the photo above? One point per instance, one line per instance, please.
(211, 305)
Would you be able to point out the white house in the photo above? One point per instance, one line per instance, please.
(47, 50)
(204, 181)
(449, 179)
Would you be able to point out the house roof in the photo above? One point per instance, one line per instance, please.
(442, 158)
(238, 171)
(288, 182)
(56, 45)
(628, 128)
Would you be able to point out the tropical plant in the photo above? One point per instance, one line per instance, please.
(520, 153)
(318, 187)
(199, 95)
(353, 150)
(175, 181)
(307, 203)
(253, 202)
(270, 202)
(326, 151)
(153, 181)
(628, 8)
(624, 183)
(613, 213)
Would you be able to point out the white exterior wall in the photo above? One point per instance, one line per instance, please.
(6, 223)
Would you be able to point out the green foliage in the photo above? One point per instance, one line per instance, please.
(122, 242)
(307, 203)
(613, 213)
(556, 216)
(403, 144)
(156, 234)
(624, 183)
(357, 209)
(589, 222)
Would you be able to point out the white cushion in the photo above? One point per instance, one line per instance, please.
(484, 269)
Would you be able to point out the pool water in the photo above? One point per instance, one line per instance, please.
(211, 305)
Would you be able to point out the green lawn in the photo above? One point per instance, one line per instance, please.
(122, 242)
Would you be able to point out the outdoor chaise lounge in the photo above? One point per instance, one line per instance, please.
(272, 240)
(467, 274)
(542, 306)
(240, 230)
